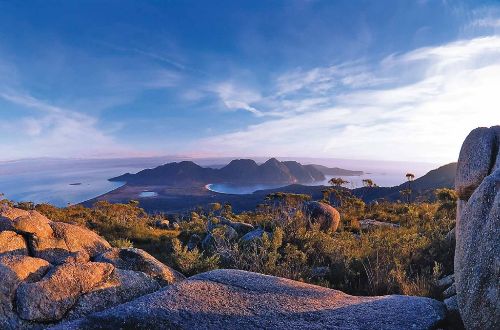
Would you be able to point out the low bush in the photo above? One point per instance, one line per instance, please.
(403, 260)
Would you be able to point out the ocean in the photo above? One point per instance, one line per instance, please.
(70, 181)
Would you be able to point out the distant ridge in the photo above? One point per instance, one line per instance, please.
(335, 170)
(423, 187)
(238, 171)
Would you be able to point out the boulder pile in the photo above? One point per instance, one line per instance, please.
(54, 271)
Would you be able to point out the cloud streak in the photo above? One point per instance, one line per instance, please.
(452, 90)
(53, 131)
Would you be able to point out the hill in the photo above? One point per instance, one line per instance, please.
(179, 199)
(335, 170)
(423, 187)
(238, 171)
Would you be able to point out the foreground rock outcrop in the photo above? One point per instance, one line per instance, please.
(477, 253)
(53, 271)
(233, 299)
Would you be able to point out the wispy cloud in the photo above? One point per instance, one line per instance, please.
(487, 22)
(327, 79)
(67, 122)
(425, 117)
(55, 131)
(237, 98)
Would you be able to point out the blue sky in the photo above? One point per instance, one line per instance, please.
(386, 80)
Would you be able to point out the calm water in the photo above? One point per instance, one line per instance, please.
(59, 182)
(148, 194)
(383, 179)
(56, 187)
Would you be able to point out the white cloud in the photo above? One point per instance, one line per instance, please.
(237, 98)
(445, 92)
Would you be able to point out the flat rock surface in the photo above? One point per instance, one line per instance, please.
(233, 299)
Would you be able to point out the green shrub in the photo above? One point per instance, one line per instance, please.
(403, 260)
(122, 243)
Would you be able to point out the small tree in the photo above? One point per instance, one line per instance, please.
(338, 182)
(369, 183)
(408, 191)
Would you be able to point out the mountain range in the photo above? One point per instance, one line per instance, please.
(238, 171)
(180, 199)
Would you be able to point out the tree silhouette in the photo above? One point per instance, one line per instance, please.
(369, 183)
(408, 191)
(337, 182)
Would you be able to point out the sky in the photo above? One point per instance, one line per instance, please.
(373, 80)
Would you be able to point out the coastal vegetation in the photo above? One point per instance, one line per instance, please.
(279, 238)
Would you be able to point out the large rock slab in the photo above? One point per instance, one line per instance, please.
(123, 286)
(477, 256)
(60, 242)
(12, 243)
(7, 215)
(11, 213)
(33, 223)
(233, 299)
(49, 299)
(325, 215)
(27, 269)
(79, 239)
(139, 260)
(476, 160)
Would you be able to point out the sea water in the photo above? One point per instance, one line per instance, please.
(63, 182)
(58, 182)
